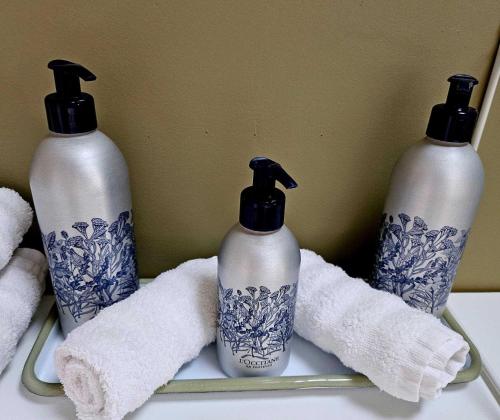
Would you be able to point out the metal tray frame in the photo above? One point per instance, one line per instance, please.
(39, 387)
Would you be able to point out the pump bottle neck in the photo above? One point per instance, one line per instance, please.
(64, 135)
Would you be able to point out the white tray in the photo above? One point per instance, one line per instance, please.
(309, 367)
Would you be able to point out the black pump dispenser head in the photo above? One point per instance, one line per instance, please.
(262, 206)
(454, 120)
(69, 110)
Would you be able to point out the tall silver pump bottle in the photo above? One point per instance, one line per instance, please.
(258, 270)
(434, 193)
(80, 187)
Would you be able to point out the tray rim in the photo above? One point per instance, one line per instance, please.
(176, 386)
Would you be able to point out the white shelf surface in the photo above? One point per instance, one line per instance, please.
(479, 315)
(465, 401)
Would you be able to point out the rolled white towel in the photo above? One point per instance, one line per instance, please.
(113, 363)
(15, 219)
(22, 283)
(405, 352)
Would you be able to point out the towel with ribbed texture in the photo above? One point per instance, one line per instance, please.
(15, 219)
(113, 363)
(22, 283)
(405, 352)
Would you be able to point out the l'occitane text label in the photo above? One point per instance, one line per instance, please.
(258, 364)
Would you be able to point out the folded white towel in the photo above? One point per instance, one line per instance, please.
(403, 351)
(22, 283)
(113, 363)
(15, 219)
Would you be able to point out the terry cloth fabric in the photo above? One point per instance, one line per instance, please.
(113, 363)
(405, 352)
(22, 283)
(15, 219)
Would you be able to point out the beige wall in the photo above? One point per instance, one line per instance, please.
(191, 90)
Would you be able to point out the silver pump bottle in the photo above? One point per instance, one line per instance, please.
(434, 192)
(80, 187)
(258, 270)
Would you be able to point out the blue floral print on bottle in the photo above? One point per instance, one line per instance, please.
(416, 263)
(256, 322)
(93, 268)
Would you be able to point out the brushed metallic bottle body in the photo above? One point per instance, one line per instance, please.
(433, 197)
(258, 270)
(258, 276)
(80, 188)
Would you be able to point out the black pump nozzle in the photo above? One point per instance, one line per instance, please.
(460, 91)
(67, 76)
(454, 120)
(262, 206)
(69, 110)
(266, 172)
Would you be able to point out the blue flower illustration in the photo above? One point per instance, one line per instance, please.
(95, 268)
(416, 263)
(256, 322)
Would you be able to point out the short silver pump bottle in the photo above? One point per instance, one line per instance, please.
(258, 270)
(80, 186)
(434, 193)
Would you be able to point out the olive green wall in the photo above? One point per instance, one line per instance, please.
(191, 90)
